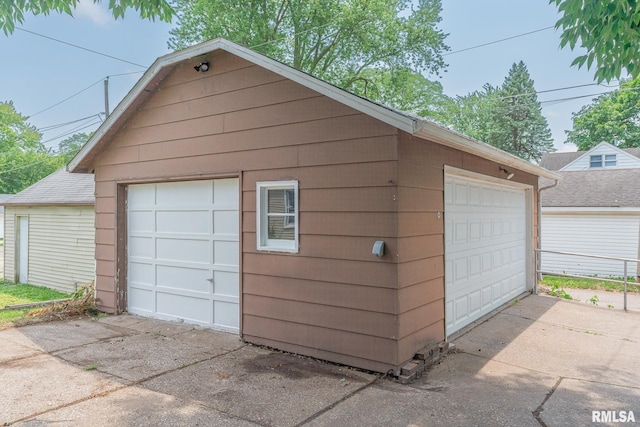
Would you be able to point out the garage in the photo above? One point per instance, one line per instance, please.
(183, 252)
(486, 222)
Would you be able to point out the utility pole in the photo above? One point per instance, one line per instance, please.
(106, 97)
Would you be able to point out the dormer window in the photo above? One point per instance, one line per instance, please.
(603, 160)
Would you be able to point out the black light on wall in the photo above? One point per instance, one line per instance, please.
(203, 66)
(508, 174)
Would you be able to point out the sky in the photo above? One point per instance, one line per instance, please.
(60, 87)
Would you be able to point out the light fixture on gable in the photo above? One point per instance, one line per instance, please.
(203, 66)
(508, 174)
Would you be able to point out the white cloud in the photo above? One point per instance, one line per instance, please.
(93, 11)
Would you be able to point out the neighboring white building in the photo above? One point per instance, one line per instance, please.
(594, 209)
(49, 233)
(3, 198)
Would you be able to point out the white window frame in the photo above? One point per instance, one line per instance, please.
(604, 160)
(262, 228)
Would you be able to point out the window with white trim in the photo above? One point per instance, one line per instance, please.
(277, 216)
(603, 160)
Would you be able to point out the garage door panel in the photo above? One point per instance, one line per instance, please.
(485, 250)
(141, 196)
(182, 278)
(225, 315)
(226, 193)
(226, 253)
(226, 283)
(141, 273)
(184, 251)
(141, 221)
(141, 247)
(141, 301)
(183, 222)
(183, 195)
(188, 308)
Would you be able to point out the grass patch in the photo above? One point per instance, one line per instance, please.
(576, 283)
(12, 294)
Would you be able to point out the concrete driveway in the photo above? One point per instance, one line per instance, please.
(542, 361)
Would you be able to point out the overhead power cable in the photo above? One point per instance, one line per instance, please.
(81, 47)
(498, 41)
(66, 99)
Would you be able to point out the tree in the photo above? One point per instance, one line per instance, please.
(24, 160)
(508, 117)
(473, 114)
(613, 117)
(520, 127)
(68, 148)
(13, 11)
(348, 43)
(405, 90)
(608, 30)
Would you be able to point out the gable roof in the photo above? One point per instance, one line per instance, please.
(595, 188)
(420, 127)
(59, 188)
(557, 161)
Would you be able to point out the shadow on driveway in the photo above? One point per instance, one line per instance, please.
(539, 362)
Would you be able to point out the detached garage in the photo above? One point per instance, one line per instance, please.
(256, 199)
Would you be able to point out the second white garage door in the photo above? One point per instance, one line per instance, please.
(485, 248)
(183, 252)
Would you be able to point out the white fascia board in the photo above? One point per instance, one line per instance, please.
(591, 210)
(441, 135)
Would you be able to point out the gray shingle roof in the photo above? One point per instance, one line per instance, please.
(595, 188)
(59, 188)
(556, 161)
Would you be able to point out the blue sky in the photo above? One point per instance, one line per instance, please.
(37, 73)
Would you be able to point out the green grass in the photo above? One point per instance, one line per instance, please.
(575, 283)
(11, 294)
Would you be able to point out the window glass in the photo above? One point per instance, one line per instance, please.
(277, 216)
(596, 161)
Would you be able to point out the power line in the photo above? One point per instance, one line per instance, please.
(498, 41)
(59, 125)
(70, 132)
(80, 47)
(66, 99)
(80, 91)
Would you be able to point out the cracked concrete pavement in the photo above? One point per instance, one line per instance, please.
(542, 361)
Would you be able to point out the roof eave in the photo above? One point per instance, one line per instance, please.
(444, 136)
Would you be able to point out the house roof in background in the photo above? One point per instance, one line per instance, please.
(59, 188)
(594, 188)
(83, 161)
(556, 161)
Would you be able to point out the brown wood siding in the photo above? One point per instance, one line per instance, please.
(333, 299)
(421, 236)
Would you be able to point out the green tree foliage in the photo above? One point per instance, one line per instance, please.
(508, 117)
(405, 90)
(473, 114)
(608, 30)
(24, 160)
(613, 117)
(12, 12)
(68, 148)
(357, 44)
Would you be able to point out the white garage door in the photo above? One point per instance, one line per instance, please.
(485, 248)
(184, 252)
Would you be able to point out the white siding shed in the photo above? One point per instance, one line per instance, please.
(49, 233)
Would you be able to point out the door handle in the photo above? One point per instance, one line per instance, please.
(210, 280)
